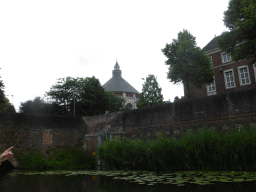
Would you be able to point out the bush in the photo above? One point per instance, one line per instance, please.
(32, 160)
(65, 158)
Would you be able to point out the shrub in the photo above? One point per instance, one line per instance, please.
(65, 158)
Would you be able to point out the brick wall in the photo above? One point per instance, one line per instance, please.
(175, 118)
(42, 131)
(219, 77)
(96, 124)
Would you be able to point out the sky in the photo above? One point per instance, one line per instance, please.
(41, 41)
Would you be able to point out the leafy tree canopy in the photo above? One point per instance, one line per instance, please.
(4, 101)
(89, 98)
(240, 40)
(151, 93)
(187, 62)
(37, 106)
(115, 103)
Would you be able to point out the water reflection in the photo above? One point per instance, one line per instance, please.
(46, 183)
(13, 182)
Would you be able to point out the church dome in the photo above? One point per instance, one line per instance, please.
(117, 83)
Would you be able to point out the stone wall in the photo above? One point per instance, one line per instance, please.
(26, 131)
(43, 131)
(97, 123)
(224, 110)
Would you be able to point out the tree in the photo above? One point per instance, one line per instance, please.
(4, 104)
(240, 40)
(187, 62)
(94, 99)
(37, 106)
(90, 98)
(151, 93)
(32, 106)
(115, 103)
(4, 101)
(62, 92)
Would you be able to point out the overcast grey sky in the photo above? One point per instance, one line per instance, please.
(41, 41)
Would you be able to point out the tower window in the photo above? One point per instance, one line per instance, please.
(129, 95)
(119, 94)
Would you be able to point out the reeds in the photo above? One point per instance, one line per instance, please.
(206, 149)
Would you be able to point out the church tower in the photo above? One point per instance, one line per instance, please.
(122, 88)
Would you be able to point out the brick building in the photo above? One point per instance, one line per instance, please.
(229, 75)
(122, 88)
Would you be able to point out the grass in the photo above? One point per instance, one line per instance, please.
(206, 149)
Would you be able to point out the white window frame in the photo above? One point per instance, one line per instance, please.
(222, 57)
(211, 60)
(240, 78)
(213, 92)
(254, 67)
(225, 78)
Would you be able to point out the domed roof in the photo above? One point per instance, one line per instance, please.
(117, 83)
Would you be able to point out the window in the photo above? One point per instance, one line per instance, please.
(119, 94)
(211, 88)
(129, 95)
(225, 57)
(244, 75)
(254, 66)
(210, 57)
(229, 78)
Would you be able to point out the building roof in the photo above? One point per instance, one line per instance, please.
(211, 45)
(117, 83)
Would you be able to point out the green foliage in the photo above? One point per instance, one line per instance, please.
(65, 158)
(206, 149)
(115, 103)
(71, 159)
(4, 102)
(36, 106)
(33, 160)
(187, 62)
(90, 97)
(151, 93)
(94, 99)
(121, 154)
(240, 40)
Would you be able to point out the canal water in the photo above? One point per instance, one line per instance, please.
(21, 181)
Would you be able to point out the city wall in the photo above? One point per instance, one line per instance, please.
(31, 131)
(43, 131)
(222, 112)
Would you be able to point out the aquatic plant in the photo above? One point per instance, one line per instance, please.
(206, 149)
